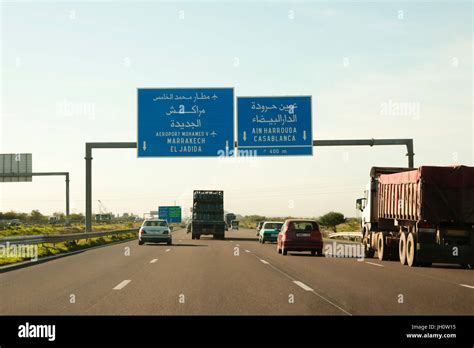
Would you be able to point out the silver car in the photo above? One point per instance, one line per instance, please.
(154, 231)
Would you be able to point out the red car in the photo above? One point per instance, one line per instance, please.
(300, 235)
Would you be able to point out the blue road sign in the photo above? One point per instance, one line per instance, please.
(275, 126)
(183, 122)
(170, 213)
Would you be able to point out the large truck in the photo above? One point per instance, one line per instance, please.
(208, 214)
(419, 216)
(229, 217)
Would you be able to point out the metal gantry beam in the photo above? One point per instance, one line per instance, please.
(66, 174)
(372, 142)
(133, 145)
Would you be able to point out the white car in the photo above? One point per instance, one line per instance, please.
(154, 231)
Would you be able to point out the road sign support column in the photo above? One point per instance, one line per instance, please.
(66, 174)
(88, 158)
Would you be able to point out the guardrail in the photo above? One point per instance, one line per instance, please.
(59, 238)
(354, 235)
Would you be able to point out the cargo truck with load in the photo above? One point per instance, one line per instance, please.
(208, 214)
(419, 216)
(229, 217)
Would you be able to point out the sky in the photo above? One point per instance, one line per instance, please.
(70, 72)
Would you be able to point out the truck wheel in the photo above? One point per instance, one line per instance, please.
(382, 251)
(402, 248)
(411, 250)
(368, 251)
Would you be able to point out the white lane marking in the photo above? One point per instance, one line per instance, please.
(467, 286)
(247, 251)
(375, 264)
(237, 245)
(302, 285)
(312, 291)
(265, 262)
(153, 261)
(122, 284)
(167, 250)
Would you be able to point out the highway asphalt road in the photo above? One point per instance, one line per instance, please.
(236, 276)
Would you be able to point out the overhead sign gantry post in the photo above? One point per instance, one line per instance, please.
(132, 145)
(19, 168)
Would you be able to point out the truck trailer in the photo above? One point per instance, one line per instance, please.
(208, 214)
(419, 216)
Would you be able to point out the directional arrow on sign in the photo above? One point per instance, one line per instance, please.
(245, 136)
(144, 146)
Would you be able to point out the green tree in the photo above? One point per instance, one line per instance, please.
(76, 217)
(332, 219)
(36, 216)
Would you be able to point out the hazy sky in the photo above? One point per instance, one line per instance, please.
(375, 70)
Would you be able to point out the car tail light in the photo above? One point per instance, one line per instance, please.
(423, 224)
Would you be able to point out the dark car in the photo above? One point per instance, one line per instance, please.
(300, 235)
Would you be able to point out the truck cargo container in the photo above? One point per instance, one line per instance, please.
(229, 217)
(208, 214)
(419, 216)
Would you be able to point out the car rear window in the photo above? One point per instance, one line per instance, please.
(273, 225)
(303, 226)
(156, 223)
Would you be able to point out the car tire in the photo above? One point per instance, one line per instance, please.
(198, 236)
(320, 252)
(313, 252)
(169, 242)
(263, 241)
(140, 242)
